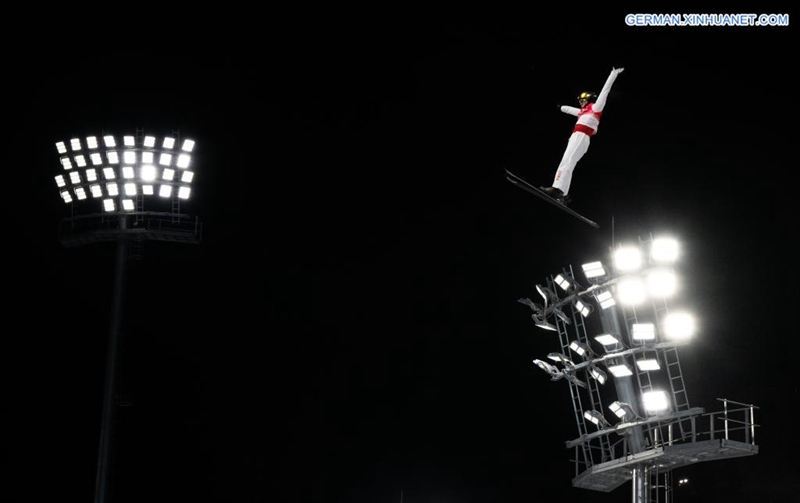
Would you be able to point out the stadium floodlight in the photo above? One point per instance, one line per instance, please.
(661, 283)
(664, 250)
(184, 192)
(60, 181)
(169, 143)
(127, 204)
(80, 161)
(648, 364)
(561, 357)
(109, 141)
(148, 173)
(621, 370)
(187, 177)
(643, 331)
(183, 161)
(581, 348)
(655, 402)
(127, 173)
(563, 281)
(147, 190)
(147, 158)
(598, 374)
(149, 141)
(628, 258)
(65, 195)
(96, 159)
(129, 157)
(607, 339)
(128, 141)
(596, 418)
(550, 369)
(168, 174)
(108, 205)
(109, 173)
(593, 270)
(546, 293)
(96, 190)
(188, 145)
(81, 193)
(622, 410)
(91, 175)
(130, 189)
(605, 299)
(75, 143)
(165, 190)
(61, 147)
(112, 189)
(678, 326)
(75, 177)
(165, 159)
(631, 291)
(113, 157)
(66, 163)
(583, 308)
(91, 142)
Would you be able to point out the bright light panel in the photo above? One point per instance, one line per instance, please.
(582, 308)
(598, 374)
(168, 174)
(168, 142)
(113, 157)
(96, 190)
(130, 189)
(149, 141)
(91, 142)
(60, 180)
(96, 159)
(184, 192)
(678, 326)
(664, 250)
(108, 204)
(91, 175)
(109, 173)
(648, 364)
(187, 177)
(188, 145)
(66, 196)
(661, 283)
(127, 172)
(606, 300)
(66, 163)
(606, 339)
(80, 161)
(129, 157)
(81, 193)
(631, 291)
(75, 177)
(62, 149)
(593, 270)
(148, 173)
(563, 282)
(147, 190)
(617, 409)
(75, 143)
(127, 204)
(643, 331)
(147, 158)
(579, 347)
(128, 141)
(165, 159)
(165, 190)
(183, 161)
(109, 142)
(112, 189)
(655, 401)
(628, 258)
(620, 370)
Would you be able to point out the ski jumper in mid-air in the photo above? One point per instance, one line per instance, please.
(589, 113)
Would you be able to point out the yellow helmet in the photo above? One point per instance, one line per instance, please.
(588, 95)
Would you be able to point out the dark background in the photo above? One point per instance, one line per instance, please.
(348, 329)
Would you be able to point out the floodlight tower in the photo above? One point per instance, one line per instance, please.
(639, 341)
(117, 177)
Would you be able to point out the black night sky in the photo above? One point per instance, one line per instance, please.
(348, 330)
